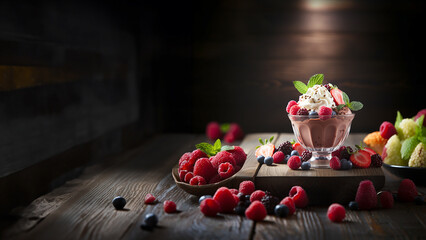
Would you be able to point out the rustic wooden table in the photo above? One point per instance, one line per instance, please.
(82, 209)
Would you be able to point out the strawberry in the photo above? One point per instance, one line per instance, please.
(361, 159)
(266, 150)
(370, 151)
(337, 96)
(299, 148)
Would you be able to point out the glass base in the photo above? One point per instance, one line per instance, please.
(320, 159)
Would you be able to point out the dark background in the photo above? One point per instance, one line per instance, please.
(84, 80)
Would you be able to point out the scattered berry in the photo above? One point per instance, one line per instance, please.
(299, 196)
(197, 181)
(266, 150)
(268, 161)
(345, 164)
(236, 198)
(294, 109)
(387, 130)
(324, 112)
(306, 155)
(335, 163)
(386, 199)
(169, 206)
(345, 152)
(299, 148)
(337, 96)
(234, 133)
(294, 162)
(213, 131)
(225, 199)
(288, 201)
(204, 168)
(361, 159)
(257, 195)
(419, 200)
(313, 114)
(256, 211)
(209, 207)
(281, 210)
(376, 161)
(370, 151)
(278, 157)
(306, 165)
(241, 208)
(149, 198)
(303, 111)
(243, 197)
(239, 155)
(289, 105)
(287, 157)
(234, 191)
(366, 195)
(223, 157)
(204, 197)
(119, 202)
(246, 187)
(336, 212)
(225, 170)
(151, 219)
(353, 205)
(188, 177)
(407, 191)
(294, 153)
(285, 147)
(270, 202)
(261, 159)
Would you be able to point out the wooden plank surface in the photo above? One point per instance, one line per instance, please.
(88, 214)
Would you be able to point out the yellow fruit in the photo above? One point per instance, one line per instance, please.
(375, 141)
(393, 152)
(407, 128)
(418, 157)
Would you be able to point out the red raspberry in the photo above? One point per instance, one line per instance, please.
(188, 177)
(225, 199)
(225, 170)
(239, 155)
(234, 191)
(215, 179)
(256, 211)
(257, 195)
(407, 191)
(289, 105)
(213, 131)
(223, 157)
(387, 130)
(204, 168)
(299, 196)
(186, 165)
(289, 202)
(195, 155)
(197, 180)
(335, 163)
(229, 137)
(149, 198)
(236, 198)
(366, 195)
(294, 162)
(386, 199)
(325, 112)
(303, 111)
(278, 157)
(246, 187)
(182, 175)
(236, 130)
(294, 109)
(209, 207)
(237, 168)
(169, 206)
(185, 157)
(336, 212)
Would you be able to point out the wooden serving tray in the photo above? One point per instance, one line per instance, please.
(323, 186)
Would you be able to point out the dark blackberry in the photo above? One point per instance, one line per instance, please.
(327, 86)
(285, 147)
(376, 160)
(303, 111)
(306, 155)
(345, 153)
(270, 202)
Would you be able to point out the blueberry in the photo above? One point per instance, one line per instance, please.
(150, 220)
(294, 153)
(240, 209)
(353, 205)
(333, 113)
(269, 161)
(243, 197)
(261, 159)
(287, 157)
(281, 210)
(145, 226)
(419, 200)
(345, 164)
(306, 165)
(119, 202)
(313, 114)
(204, 197)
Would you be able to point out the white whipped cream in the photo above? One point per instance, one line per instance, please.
(316, 97)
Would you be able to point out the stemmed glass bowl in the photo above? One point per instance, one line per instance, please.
(321, 135)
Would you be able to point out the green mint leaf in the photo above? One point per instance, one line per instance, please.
(224, 127)
(261, 141)
(217, 145)
(340, 106)
(420, 121)
(398, 119)
(422, 139)
(292, 141)
(408, 147)
(257, 147)
(227, 148)
(206, 148)
(356, 106)
(270, 139)
(301, 87)
(345, 98)
(315, 80)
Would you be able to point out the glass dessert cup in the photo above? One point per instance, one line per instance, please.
(321, 135)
